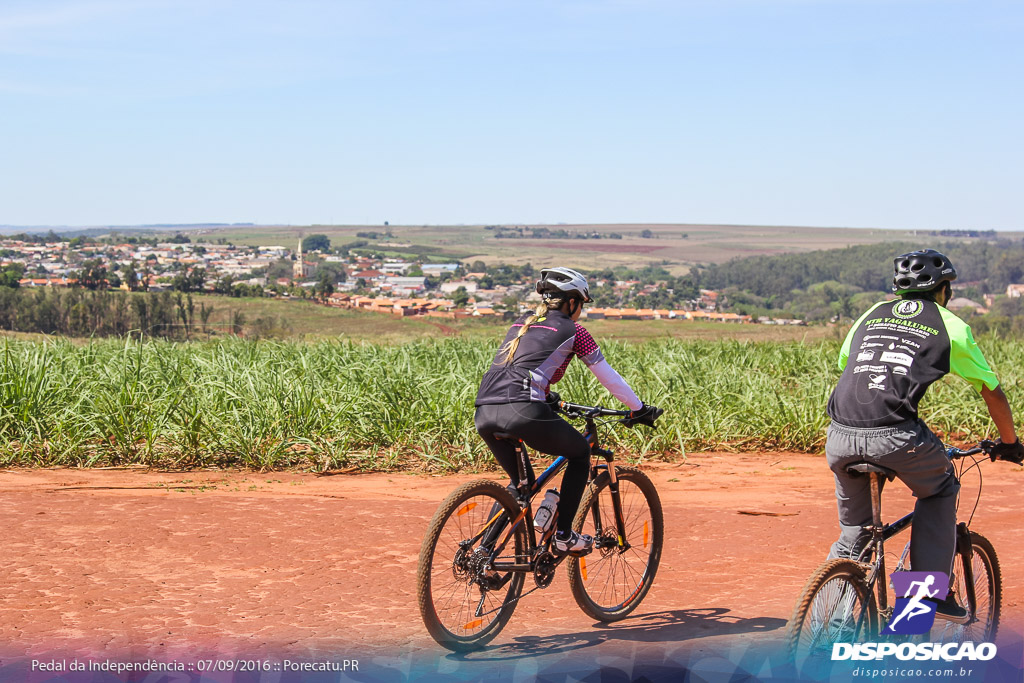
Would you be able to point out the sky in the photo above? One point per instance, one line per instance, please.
(902, 114)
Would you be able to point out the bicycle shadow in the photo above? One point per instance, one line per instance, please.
(654, 627)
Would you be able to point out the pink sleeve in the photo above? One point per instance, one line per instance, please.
(585, 347)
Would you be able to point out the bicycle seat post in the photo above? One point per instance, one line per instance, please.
(526, 475)
(876, 502)
(878, 539)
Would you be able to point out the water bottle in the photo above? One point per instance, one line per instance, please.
(546, 511)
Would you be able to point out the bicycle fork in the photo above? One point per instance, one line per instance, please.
(613, 488)
(965, 549)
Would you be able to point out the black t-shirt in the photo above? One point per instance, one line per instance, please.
(898, 349)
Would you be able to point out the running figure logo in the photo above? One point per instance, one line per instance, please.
(914, 612)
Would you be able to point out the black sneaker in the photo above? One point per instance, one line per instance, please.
(950, 610)
(572, 543)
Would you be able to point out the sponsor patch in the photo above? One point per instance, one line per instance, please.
(896, 357)
(869, 368)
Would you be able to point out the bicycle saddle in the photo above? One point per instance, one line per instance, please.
(504, 435)
(867, 468)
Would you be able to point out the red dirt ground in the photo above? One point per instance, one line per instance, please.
(149, 564)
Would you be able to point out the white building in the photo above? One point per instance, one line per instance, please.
(451, 286)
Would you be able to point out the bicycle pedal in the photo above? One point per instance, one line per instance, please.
(570, 553)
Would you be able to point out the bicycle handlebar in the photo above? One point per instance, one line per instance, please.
(982, 447)
(579, 410)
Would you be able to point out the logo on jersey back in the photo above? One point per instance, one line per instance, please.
(914, 612)
(908, 308)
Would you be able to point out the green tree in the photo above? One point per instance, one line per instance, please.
(324, 287)
(316, 243)
(460, 297)
(93, 275)
(191, 280)
(224, 285)
(131, 276)
(11, 275)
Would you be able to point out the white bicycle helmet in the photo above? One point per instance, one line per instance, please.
(565, 280)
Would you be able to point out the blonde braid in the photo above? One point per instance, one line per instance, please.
(549, 303)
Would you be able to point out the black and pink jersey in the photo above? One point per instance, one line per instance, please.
(540, 360)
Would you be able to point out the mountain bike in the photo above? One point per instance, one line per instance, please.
(847, 601)
(482, 544)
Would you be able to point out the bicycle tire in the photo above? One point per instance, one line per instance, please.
(447, 589)
(836, 584)
(594, 579)
(988, 587)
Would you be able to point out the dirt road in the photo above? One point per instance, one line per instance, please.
(137, 564)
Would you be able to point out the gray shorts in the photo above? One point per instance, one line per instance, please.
(919, 459)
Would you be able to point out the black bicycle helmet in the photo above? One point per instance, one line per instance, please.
(920, 271)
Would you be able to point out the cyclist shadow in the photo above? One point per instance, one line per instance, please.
(655, 627)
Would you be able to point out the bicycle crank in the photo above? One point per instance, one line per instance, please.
(544, 569)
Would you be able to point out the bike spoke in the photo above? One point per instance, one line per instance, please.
(461, 605)
(613, 577)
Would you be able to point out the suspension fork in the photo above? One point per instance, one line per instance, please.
(613, 487)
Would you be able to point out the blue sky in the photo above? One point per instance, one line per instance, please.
(863, 113)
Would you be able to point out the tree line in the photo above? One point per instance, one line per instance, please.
(100, 313)
(838, 283)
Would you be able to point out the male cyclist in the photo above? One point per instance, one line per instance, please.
(898, 348)
(515, 393)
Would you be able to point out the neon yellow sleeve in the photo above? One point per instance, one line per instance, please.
(844, 353)
(965, 358)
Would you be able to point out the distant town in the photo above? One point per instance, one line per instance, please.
(342, 277)
(312, 270)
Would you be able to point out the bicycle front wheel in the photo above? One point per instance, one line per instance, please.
(463, 601)
(836, 607)
(610, 582)
(987, 580)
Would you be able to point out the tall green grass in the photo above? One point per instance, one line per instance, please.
(325, 405)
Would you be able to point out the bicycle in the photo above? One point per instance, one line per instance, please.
(846, 600)
(482, 544)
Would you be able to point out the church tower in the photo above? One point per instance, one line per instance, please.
(298, 268)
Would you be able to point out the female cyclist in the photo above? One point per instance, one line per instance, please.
(515, 393)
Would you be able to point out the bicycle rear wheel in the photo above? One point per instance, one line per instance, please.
(836, 606)
(988, 591)
(464, 603)
(611, 582)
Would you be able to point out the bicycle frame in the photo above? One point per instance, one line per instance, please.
(883, 532)
(529, 486)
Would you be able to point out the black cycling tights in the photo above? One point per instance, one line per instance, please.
(543, 430)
